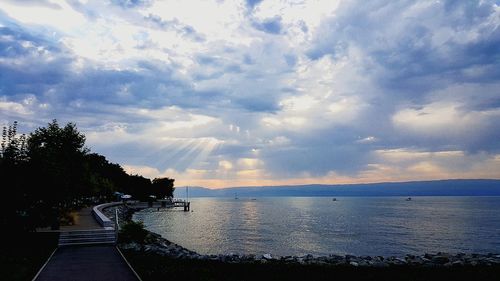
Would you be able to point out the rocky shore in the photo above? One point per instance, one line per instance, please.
(161, 246)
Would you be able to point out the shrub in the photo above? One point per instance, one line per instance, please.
(132, 232)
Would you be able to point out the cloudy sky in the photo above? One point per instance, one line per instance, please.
(231, 93)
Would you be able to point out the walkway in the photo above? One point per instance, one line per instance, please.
(94, 263)
(84, 220)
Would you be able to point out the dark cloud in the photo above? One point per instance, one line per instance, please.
(18, 73)
(328, 155)
(271, 25)
(409, 55)
(252, 3)
(131, 3)
(175, 25)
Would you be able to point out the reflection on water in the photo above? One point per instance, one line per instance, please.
(320, 226)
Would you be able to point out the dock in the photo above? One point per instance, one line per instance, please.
(163, 203)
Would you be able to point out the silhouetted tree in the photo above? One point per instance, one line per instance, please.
(13, 146)
(57, 161)
(50, 172)
(163, 187)
(13, 175)
(138, 186)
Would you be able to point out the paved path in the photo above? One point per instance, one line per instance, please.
(89, 263)
(84, 220)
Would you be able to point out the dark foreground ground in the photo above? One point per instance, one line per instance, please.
(23, 254)
(155, 267)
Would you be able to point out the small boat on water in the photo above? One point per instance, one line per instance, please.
(408, 199)
(334, 199)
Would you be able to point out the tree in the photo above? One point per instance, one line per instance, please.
(163, 187)
(13, 168)
(57, 165)
(13, 146)
(51, 172)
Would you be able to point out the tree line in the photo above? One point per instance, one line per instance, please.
(48, 173)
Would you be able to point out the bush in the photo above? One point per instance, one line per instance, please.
(132, 232)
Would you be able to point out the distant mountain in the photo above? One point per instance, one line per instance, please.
(472, 187)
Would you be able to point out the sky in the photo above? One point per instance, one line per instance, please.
(242, 93)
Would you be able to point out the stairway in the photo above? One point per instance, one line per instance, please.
(87, 237)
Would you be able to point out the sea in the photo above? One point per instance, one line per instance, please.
(321, 226)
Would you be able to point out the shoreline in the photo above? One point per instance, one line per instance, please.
(163, 247)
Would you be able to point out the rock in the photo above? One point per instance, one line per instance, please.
(440, 259)
(380, 264)
(350, 257)
(267, 256)
(494, 261)
(353, 263)
(400, 261)
(366, 258)
(457, 263)
(364, 263)
(409, 257)
(416, 261)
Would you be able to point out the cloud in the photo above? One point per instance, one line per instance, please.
(252, 3)
(272, 25)
(175, 25)
(131, 3)
(40, 3)
(263, 92)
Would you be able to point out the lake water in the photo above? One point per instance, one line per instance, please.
(320, 226)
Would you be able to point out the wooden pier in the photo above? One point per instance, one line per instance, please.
(164, 203)
(183, 204)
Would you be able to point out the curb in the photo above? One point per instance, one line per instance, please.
(45, 264)
(130, 266)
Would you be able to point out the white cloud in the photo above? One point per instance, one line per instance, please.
(442, 119)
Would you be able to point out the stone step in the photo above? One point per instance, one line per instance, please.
(87, 243)
(86, 237)
(87, 234)
(96, 231)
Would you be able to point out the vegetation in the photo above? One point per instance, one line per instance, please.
(24, 254)
(48, 173)
(133, 232)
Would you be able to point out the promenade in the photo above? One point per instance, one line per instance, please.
(86, 262)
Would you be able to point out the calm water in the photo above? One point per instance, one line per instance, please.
(320, 226)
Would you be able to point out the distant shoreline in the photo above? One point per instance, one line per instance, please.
(452, 187)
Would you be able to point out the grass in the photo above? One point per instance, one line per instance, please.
(155, 267)
(22, 255)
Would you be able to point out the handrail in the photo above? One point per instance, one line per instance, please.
(117, 226)
(116, 219)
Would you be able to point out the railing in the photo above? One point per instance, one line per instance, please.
(117, 225)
